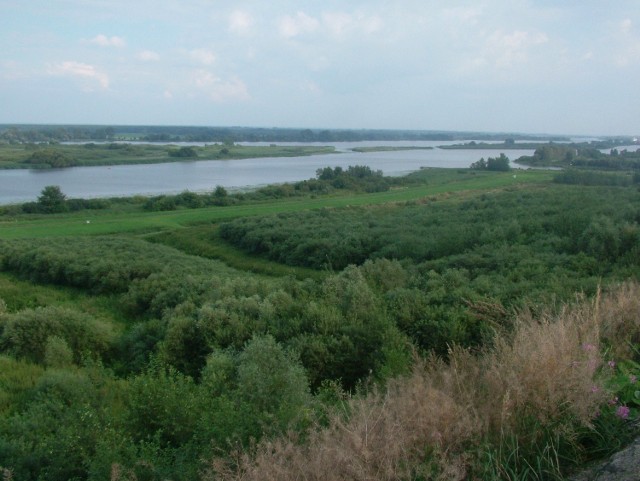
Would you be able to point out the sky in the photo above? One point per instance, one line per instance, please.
(567, 67)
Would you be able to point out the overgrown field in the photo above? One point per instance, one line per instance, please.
(451, 325)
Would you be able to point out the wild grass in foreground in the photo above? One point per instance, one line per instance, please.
(542, 400)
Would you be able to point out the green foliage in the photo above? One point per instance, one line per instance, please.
(590, 177)
(497, 164)
(54, 333)
(55, 433)
(210, 358)
(50, 158)
(162, 407)
(272, 383)
(337, 238)
(183, 152)
(583, 156)
(52, 200)
(57, 352)
(358, 178)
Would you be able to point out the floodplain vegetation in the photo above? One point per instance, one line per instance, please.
(46, 155)
(449, 325)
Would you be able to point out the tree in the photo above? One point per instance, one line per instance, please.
(50, 157)
(272, 382)
(52, 199)
(183, 152)
(498, 163)
(479, 165)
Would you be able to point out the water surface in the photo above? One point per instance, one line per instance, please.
(204, 175)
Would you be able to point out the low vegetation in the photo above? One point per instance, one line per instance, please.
(453, 324)
(530, 406)
(584, 156)
(55, 155)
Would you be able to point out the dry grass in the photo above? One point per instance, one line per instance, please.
(430, 424)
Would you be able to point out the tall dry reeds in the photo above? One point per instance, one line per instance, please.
(546, 373)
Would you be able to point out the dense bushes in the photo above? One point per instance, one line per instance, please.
(52, 335)
(536, 404)
(206, 359)
(498, 164)
(545, 223)
(591, 177)
(338, 327)
(100, 264)
(579, 155)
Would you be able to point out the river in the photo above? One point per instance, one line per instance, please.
(204, 175)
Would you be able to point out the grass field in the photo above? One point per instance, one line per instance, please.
(439, 181)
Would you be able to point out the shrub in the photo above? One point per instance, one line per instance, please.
(28, 334)
(516, 411)
(272, 383)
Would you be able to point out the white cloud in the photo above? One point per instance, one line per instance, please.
(240, 22)
(203, 56)
(82, 71)
(465, 15)
(104, 41)
(504, 50)
(148, 56)
(298, 24)
(372, 24)
(628, 49)
(220, 90)
(337, 23)
(311, 87)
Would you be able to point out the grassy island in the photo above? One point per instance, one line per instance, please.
(47, 155)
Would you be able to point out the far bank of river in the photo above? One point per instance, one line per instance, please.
(201, 176)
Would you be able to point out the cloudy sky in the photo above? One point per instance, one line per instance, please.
(538, 66)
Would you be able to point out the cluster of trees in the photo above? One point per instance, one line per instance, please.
(42, 133)
(497, 164)
(356, 178)
(183, 152)
(579, 155)
(50, 158)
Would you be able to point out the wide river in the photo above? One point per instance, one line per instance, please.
(204, 175)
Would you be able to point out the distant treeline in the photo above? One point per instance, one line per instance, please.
(510, 143)
(63, 133)
(583, 155)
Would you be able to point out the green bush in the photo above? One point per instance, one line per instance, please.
(28, 334)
